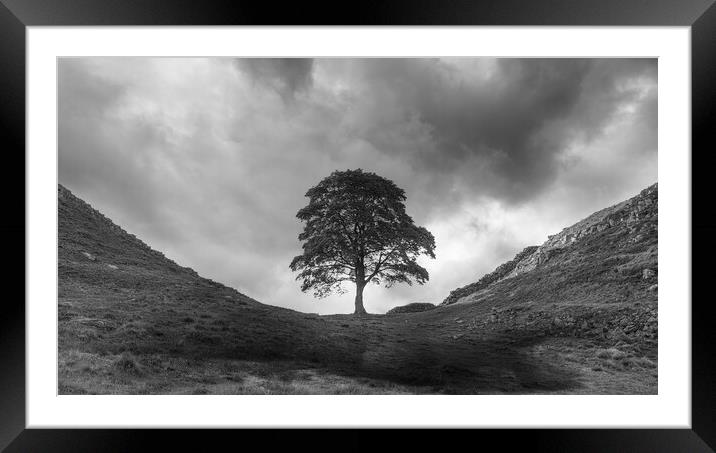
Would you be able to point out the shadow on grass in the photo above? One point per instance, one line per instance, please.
(421, 355)
(493, 366)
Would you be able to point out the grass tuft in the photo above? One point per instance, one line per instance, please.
(127, 364)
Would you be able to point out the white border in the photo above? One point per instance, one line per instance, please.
(670, 408)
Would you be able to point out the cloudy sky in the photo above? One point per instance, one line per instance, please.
(208, 159)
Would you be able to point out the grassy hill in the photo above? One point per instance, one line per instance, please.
(576, 315)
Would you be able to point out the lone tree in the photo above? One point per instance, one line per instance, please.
(357, 230)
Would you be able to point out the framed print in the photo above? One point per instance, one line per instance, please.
(418, 216)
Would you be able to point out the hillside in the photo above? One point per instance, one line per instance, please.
(583, 320)
(611, 249)
(599, 276)
(118, 298)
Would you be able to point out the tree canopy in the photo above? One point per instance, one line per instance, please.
(356, 230)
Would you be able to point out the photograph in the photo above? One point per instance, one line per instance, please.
(360, 226)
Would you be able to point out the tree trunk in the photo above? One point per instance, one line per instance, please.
(360, 310)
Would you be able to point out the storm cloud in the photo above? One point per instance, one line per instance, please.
(286, 75)
(208, 160)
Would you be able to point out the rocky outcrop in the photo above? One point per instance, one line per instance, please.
(632, 221)
(501, 272)
(631, 214)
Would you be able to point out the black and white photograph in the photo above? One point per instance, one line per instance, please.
(326, 226)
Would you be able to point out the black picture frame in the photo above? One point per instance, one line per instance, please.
(16, 15)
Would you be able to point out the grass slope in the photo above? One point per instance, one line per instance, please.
(132, 321)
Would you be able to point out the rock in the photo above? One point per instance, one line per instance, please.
(112, 266)
(654, 288)
(631, 223)
(89, 256)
